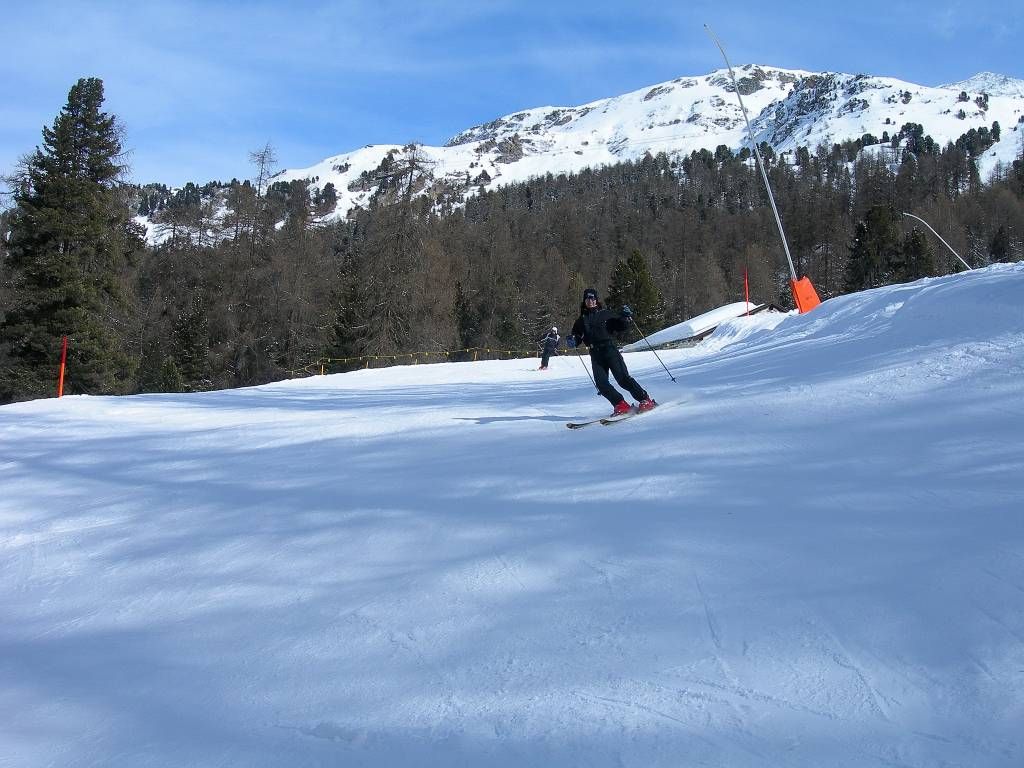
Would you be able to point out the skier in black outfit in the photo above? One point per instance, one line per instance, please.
(550, 347)
(595, 327)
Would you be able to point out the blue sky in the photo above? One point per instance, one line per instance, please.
(198, 85)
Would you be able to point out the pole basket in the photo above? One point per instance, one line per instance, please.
(804, 295)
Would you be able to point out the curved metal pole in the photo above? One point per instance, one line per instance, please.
(760, 163)
(940, 238)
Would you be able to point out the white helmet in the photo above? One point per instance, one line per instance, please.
(554, 328)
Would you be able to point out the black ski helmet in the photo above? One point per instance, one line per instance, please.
(589, 293)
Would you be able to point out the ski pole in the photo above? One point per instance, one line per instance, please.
(589, 375)
(652, 350)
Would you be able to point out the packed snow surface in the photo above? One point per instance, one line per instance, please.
(812, 554)
(694, 326)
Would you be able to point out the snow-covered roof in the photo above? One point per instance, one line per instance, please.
(695, 326)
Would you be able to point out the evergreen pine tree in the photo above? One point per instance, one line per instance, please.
(916, 258)
(70, 243)
(467, 318)
(328, 199)
(632, 284)
(170, 378)
(352, 307)
(192, 345)
(999, 249)
(874, 251)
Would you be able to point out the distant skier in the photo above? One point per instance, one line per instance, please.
(550, 342)
(595, 327)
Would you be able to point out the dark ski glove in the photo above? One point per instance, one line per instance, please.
(627, 312)
(570, 341)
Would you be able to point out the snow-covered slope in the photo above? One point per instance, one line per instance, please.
(694, 326)
(991, 83)
(811, 555)
(789, 108)
(831, 107)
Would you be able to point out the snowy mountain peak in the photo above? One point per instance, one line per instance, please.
(685, 99)
(788, 109)
(991, 83)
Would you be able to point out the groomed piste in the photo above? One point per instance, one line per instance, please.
(812, 554)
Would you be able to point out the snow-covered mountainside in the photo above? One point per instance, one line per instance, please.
(812, 554)
(788, 108)
(991, 83)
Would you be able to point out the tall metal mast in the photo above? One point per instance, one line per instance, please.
(804, 295)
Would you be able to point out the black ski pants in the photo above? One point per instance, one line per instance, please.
(605, 358)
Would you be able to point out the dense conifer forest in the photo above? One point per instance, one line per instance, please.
(255, 282)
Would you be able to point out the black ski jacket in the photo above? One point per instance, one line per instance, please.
(551, 343)
(596, 326)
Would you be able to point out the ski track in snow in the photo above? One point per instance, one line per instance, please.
(812, 553)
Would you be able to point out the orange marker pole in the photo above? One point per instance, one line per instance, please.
(746, 290)
(63, 363)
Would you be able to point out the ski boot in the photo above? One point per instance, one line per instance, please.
(621, 408)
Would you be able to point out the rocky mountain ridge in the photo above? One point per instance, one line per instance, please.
(787, 108)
